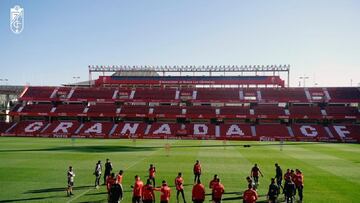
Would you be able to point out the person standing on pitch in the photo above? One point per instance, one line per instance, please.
(152, 172)
(197, 171)
(179, 181)
(116, 193)
(289, 190)
(198, 193)
(250, 195)
(97, 173)
(217, 191)
(278, 175)
(165, 192)
(147, 193)
(137, 190)
(119, 178)
(273, 191)
(108, 169)
(299, 183)
(213, 181)
(255, 174)
(70, 181)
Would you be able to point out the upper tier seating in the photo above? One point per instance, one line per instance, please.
(272, 130)
(70, 109)
(217, 94)
(160, 111)
(235, 111)
(344, 94)
(102, 109)
(342, 112)
(93, 93)
(141, 111)
(305, 112)
(36, 108)
(283, 95)
(39, 93)
(200, 111)
(155, 94)
(269, 111)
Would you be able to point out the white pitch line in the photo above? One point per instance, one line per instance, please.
(136, 162)
(78, 196)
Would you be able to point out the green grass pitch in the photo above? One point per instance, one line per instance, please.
(34, 169)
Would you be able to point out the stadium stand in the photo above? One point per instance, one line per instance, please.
(296, 114)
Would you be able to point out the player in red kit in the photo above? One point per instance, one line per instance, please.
(299, 183)
(255, 174)
(148, 195)
(250, 195)
(179, 184)
(198, 193)
(137, 190)
(165, 192)
(197, 171)
(152, 172)
(110, 180)
(213, 181)
(217, 191)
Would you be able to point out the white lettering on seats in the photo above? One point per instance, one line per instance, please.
(308, 131)
(341, 131)
(96, 128)
(200, 129)
(234, 130)
(63, 127)
(163, 129)
(128, 128)
(33, 127)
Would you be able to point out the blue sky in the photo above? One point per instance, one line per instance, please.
(319, 38)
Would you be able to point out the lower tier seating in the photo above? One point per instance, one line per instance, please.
(232, 131)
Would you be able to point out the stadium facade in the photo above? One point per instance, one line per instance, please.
(188, 107)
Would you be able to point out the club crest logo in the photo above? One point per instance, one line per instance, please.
(17, 19)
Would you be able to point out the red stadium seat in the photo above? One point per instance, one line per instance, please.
(269, 111)
(28, 128)
(273, 131)
(305, 112)
(126, 129)
(96, 129)
(102, 110)
(346, 133)
(309, 132)
(344, 94)
(61, 128)
(236, 131)
(162, 130)
(342, 112)
(234, 112)
(200, 112)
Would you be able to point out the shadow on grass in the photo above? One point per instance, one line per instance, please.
(123, 148)
(32, 199)
(59, 189)
(87, 149)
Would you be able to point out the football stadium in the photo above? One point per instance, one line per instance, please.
(205, 131)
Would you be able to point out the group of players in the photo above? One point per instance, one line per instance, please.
(294, 181)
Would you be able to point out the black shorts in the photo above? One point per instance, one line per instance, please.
(70, 184)
(148, 201)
